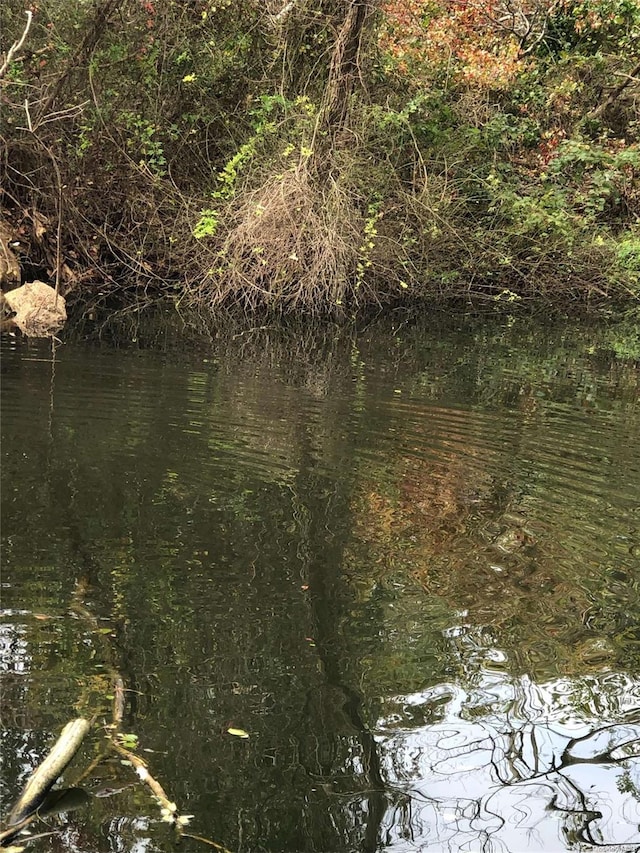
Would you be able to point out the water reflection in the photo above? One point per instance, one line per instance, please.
(406, 564)
(513, 765)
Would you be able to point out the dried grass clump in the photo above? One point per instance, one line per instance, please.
(293, 244)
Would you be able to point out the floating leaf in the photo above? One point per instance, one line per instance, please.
(129, 740)
(238, 733)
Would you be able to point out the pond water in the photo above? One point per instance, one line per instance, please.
(405, 562)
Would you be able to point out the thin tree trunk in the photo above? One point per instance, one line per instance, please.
(95, 30)
(343, 73)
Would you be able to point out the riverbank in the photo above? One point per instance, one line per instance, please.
(332, 162)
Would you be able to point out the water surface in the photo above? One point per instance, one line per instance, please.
(405, 562)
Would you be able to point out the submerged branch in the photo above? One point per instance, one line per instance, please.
(206, 841)
(34, 800)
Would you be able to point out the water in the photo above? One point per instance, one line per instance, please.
(405, 562)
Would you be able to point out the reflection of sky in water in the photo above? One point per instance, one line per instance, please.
(510, 765)
(14, 652)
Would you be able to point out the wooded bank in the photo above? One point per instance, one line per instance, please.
(323, 158)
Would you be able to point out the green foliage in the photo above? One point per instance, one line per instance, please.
(600, 181)
(183, 125)
(593, 26)
(207, 225)
(628, 256)
(229, 173)
(143, 142)
(276, 122)
(506, 131)
(370, 233)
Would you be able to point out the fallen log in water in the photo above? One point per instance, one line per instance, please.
(43, 778)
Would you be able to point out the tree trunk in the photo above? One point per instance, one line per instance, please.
(343, 72)
(95, 29)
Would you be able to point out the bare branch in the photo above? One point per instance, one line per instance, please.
(15, 47)
(615, 94)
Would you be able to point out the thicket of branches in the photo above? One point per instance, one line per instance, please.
(322, 157)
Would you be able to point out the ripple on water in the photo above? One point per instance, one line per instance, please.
(290, 551)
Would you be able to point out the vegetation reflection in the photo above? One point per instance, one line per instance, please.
(409, 578)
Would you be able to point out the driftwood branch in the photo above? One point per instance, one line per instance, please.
(206, 841)
(16, 46)
(44, 777)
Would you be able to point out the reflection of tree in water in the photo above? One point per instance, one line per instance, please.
(496, 516)
(336, 706)
(509, 765)
(205, 548)
(497, 764)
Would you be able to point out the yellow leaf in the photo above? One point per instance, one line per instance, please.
(238, 732)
